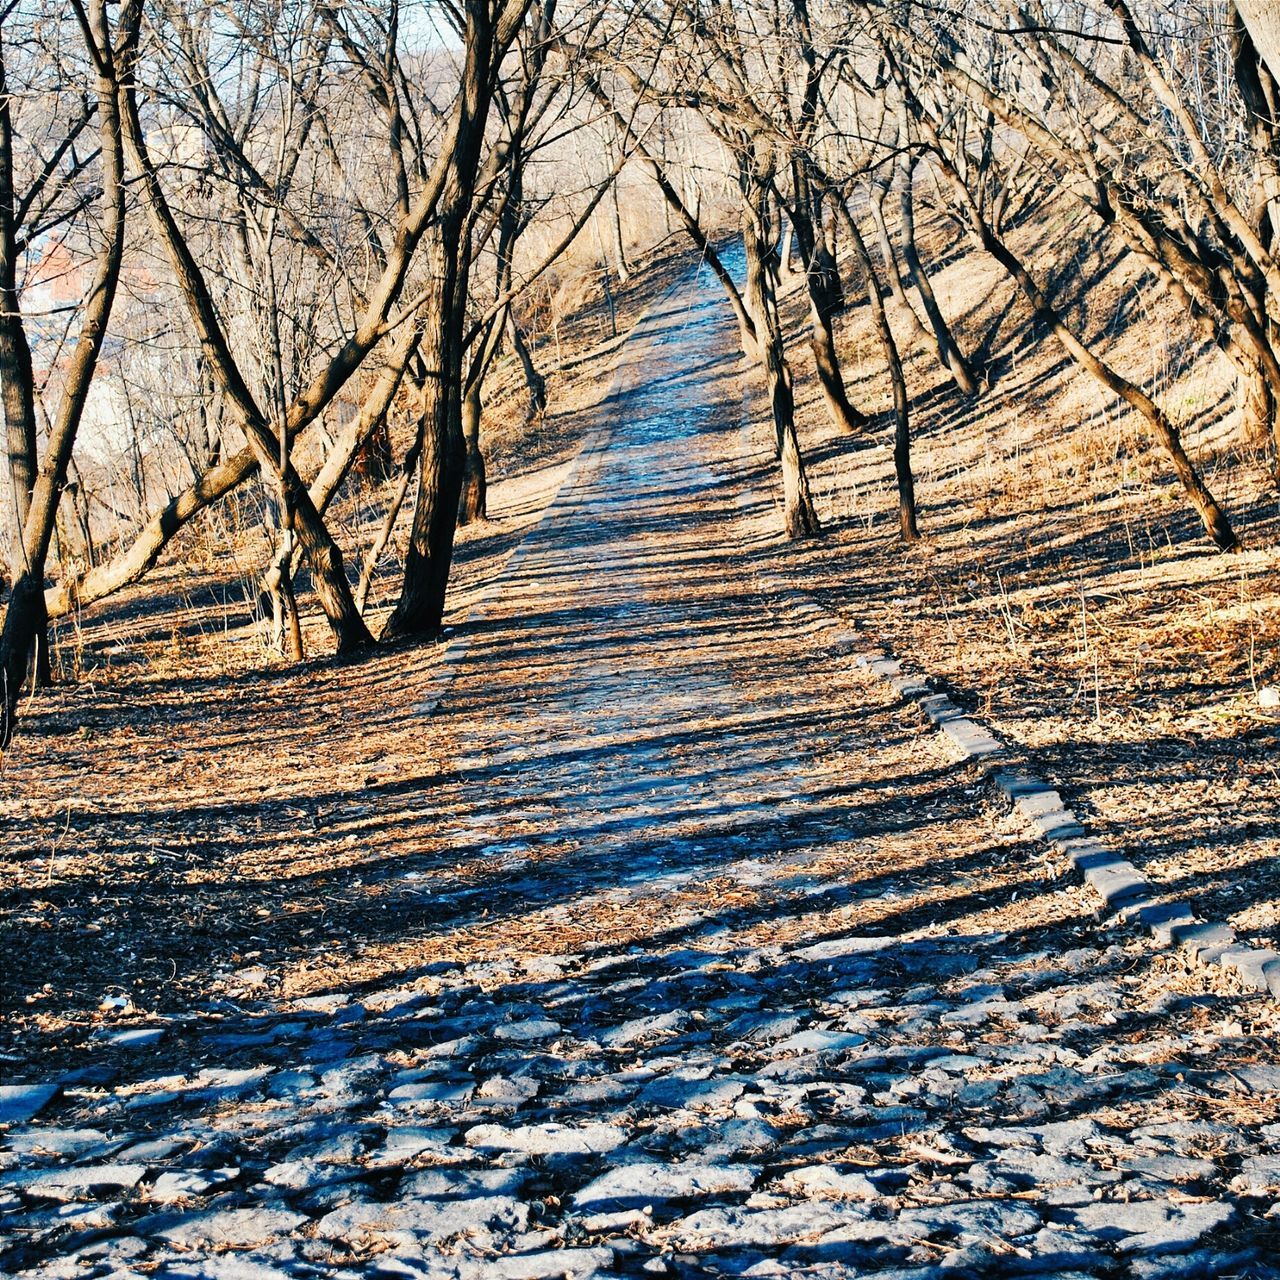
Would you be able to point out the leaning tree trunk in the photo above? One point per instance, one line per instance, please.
(826, 301)
(949, 354)
(323, 554)
(26, 615)
(907, 524)
(893, 274)
(536, 383)
(1215, 521)
(408, 469)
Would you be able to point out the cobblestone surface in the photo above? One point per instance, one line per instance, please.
(827, 1036)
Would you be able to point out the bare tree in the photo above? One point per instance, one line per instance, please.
(930, 123)
(109, 49)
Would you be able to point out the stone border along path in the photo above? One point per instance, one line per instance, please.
(1119, 884)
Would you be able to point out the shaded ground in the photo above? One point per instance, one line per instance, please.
(652, 942)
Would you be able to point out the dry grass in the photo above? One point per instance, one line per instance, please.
(1063, 587)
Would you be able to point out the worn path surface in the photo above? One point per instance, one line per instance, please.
(755, 980)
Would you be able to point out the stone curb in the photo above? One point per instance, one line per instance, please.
(1120, 885)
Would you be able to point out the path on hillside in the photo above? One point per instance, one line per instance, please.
(770, 990)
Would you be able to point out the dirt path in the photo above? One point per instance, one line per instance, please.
(698, 956)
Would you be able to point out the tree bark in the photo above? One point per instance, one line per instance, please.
(408, 469)
(891, 271)
(908, 527)
(420, 609)
(799, 514)
(1262, 20)
(473, 506)
(826, 300)
(17, 387)
(536, 383)
(949, 353)
(615, 226)
(26, 614)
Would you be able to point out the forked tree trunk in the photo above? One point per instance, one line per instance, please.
(420, 609)
(799, 513)
(277, 586)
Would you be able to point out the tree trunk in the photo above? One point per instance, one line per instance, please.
(473, 506)
(892, 274)
(420, 610)
(536, 383)
(1261, 96)
(799, 514)
(786, 267)
(26, 616)
(907, 524)
(1262, 20)
(949, 353)
(277, 586)
(142, 553)
(408, 469)
(1215, 522)
(826, 300)
(843, 414)
(615, 227)
(1257, 412)
(17, 386)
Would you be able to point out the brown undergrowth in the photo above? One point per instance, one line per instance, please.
(183, 804)
(191, 827)
(1063, 587)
